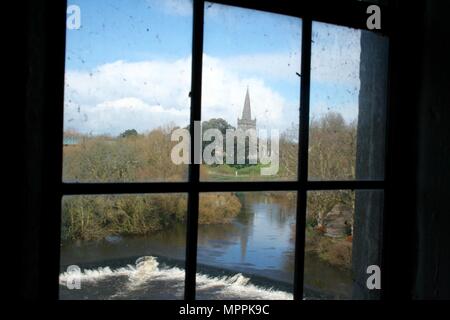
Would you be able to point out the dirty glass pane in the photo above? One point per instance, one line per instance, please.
(251, 67)
(343, 238)
(246, 245)
(123, 247)
(127, 84)
(348, 103)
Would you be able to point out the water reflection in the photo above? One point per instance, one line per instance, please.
(258, 243)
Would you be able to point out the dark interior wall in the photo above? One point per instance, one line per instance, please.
(432, 277)
(43, 138)
(417, 221)
(399, 220)
(34, 154)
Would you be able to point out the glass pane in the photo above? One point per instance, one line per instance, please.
(246, 245)
(251, 67)
(127, 84)
(348, 103)
(343, 238)
(123, 247)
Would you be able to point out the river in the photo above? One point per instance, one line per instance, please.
(250, 258)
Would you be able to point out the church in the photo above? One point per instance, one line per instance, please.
(246, 122)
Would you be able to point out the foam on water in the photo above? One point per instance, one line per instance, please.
(237, 287)
(147, 270)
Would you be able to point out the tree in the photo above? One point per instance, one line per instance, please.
(332, 148)
(216, 123)
(129, 133)
(332, 156)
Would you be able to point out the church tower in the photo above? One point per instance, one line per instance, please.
(246, 121)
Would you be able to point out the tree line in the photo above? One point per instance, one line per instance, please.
(134, 157)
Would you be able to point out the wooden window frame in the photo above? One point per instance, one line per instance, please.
(350, 13)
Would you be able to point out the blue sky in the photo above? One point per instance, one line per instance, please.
(132, 30)
(129, 66)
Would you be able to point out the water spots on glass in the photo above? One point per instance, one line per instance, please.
(128, 68)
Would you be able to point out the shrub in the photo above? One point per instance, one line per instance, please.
(218, 208)
(95, 217)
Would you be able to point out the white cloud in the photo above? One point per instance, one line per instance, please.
(175, 7)
(124, 95)
(224, 93)
(143, 95)
(155, 82)
(115, 116)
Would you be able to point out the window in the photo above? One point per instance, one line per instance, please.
(251, 63)
(136, 225)
(122, 101)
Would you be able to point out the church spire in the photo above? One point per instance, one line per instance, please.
(246, 122)
(247, 113)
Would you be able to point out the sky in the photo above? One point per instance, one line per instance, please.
(128, 66)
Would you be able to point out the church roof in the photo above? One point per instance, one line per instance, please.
(247, 112)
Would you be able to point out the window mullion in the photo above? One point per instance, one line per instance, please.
(303, 158)
(194, 169)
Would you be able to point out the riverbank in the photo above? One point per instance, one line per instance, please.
(257, 243)
(98, 217)
(334, 251)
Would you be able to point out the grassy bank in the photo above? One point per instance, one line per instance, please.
(334, 251)
(95, 217)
